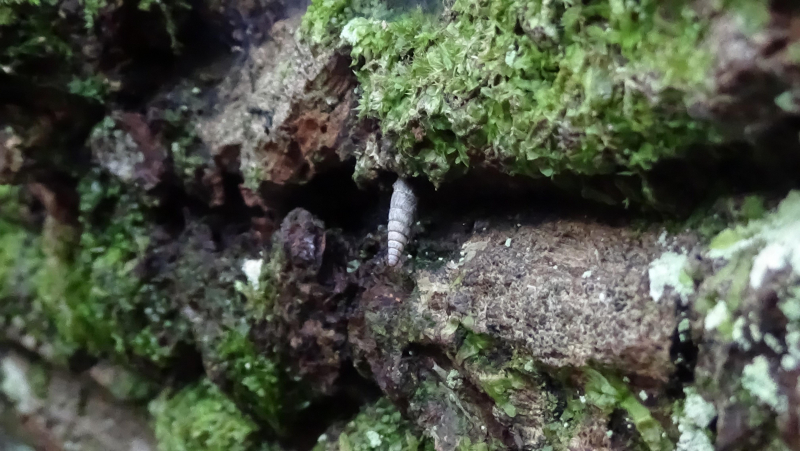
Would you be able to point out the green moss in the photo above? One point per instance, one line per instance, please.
(537, 88)
(22, 266)
(20, 253)
(758, 244)
(325, 19)
(125, 383)
(108, 307)
(776, 228)
(472, 346)
(93, 86)
(378, 427)
(200, 418)
(28, 33)
(261, 288)
(608, 392)
(259, 382)
(711, 219)
(91, 293)
(466, 444)
(178, 134)
(561, 429)
(499, 387)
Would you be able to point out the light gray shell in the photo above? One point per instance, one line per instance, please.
(401, 216)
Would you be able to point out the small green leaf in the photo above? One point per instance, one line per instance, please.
(725, 239)
(509, 409)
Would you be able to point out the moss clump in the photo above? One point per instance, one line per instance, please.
(259, 382)
(537, 88)
(200, 417)
(20, 252)
(378, 427)
(562, 428)
(22, 269)
(324, 19)
(188, 155)
(776, 229)
(99, 299)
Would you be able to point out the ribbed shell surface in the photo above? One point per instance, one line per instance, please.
(401, 216)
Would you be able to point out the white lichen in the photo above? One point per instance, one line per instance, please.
(374, 439)
(115, 150)
(665, 272)
(693, 439)
(15, 385)
(791, 308)
(755, 332)
(697, 415)
(356, 29)
(791, 360)
(757, 380)
(697, 410)
(717, 316)
(774, 257)
(773, 343)
(738, 334)
(776, 238)
(252, 271)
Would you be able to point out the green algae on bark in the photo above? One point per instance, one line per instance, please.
(536, 88)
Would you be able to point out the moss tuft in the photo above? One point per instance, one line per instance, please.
(84, 290)
(260, 383)
(378, 427)
(200, 417)
(103, 304)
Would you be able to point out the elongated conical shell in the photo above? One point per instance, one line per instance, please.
(401, 216)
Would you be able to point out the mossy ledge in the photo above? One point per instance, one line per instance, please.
(534, 88)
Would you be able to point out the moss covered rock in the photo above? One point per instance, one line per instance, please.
(531, 338)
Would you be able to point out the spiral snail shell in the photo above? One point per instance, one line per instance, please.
(401, 216)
